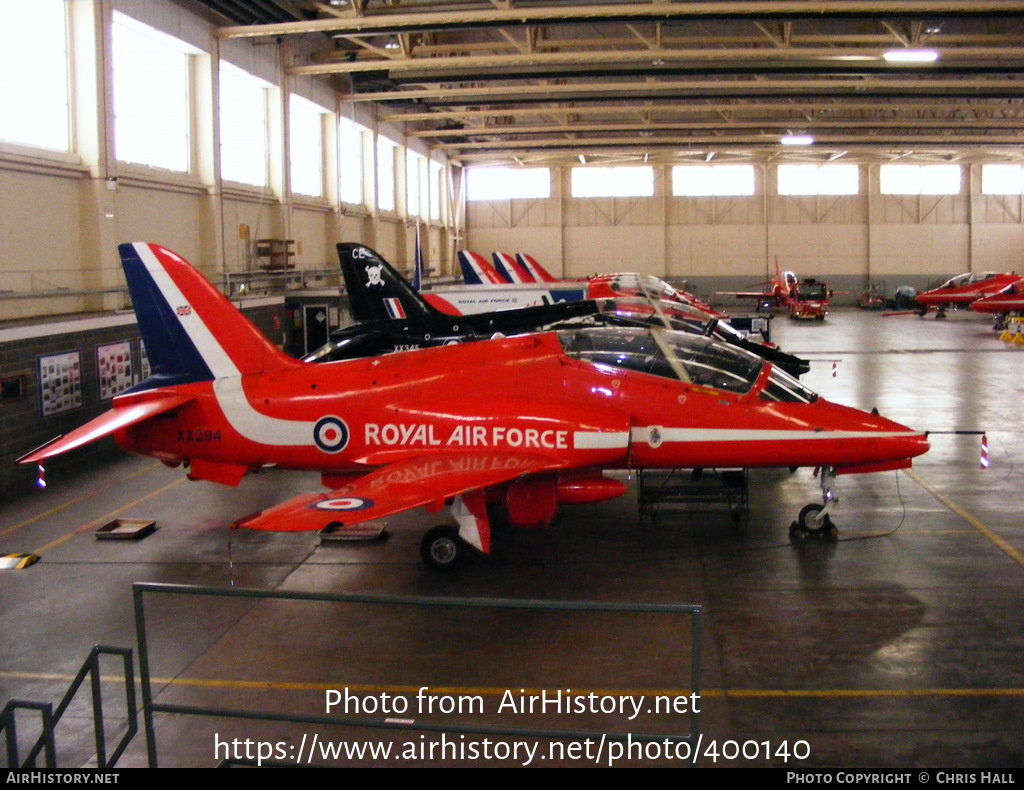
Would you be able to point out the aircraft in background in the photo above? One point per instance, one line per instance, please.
(518, 268)
(773, 293)
(538, 272)
(477, 271)
(518, 271)
(509, 267)
(962, 290)
(528, 423)
(390, 315)
(631, 284)
(1004, 302)
(806, 298)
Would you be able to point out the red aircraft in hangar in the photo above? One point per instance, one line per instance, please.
(519, 271)
(806, 298)
(1009, 300)
(528, 422)
(962, 290)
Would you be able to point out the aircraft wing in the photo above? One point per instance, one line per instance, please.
(121, 416)
(403, 485)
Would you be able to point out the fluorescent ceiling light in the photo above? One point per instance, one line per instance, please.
(797, 139)
(911, 56)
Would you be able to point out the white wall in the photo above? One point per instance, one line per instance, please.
(63, 214)
(722, 241)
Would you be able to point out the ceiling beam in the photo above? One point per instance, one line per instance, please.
(541, 65)
(385, 20)
(825, 89)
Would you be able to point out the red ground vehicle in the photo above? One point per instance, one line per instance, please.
(808, 299)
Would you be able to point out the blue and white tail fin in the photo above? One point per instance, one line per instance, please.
(539, 273)
(191, 331)
(477, 271)
(508, 268)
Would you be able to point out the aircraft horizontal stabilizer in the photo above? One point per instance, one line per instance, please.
(121, 416)
(400, 486)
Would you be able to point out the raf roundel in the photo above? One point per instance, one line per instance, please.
(345, 503)
(330, 434)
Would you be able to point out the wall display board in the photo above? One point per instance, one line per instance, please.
(144, 369)
(114, 368)
(60, 382)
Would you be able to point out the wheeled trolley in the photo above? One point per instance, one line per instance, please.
(657, 487)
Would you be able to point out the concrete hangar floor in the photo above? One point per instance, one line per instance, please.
(897, 645)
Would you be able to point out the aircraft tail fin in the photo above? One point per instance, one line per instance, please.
(507, 266)
(540, 274)
(477, 271)
(190, 329)
(376, 291)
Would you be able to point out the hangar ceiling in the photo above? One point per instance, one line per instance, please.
(518, 81)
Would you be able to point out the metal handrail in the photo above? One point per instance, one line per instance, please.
(150, 706)
(51, 718)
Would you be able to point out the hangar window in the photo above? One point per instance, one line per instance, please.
(818, 179)
(385, 174)
(34, 75)
(413, 162)
(151, 96)
(591, 182)
(1002, 179)
(920, 179)
(307, 146)
(243, 126)
(434, 189)
(708, 180)
(506, 183)
(351, 137)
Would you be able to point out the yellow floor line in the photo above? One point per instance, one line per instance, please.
(488, 691)
(974, 522)
(108, 517)
(76, 500)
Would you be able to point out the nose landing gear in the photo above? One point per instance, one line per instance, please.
(814, 518)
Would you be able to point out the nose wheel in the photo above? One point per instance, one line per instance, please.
(814, 518)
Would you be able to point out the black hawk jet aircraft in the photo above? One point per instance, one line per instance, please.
(390, 315)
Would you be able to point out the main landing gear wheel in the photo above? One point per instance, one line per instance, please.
(442, 548)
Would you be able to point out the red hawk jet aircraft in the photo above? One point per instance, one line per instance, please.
(528, 422)
(962, 290)
(806, 298)
(1009, 300)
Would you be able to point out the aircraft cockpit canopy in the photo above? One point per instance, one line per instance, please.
(645, 312)
(689, 358)
(631, 284)
(968, 278)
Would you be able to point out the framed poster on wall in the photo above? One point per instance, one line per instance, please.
(144, 370)
(114, 368)
(60, 382)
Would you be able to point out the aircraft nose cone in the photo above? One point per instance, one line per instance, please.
(901, 440)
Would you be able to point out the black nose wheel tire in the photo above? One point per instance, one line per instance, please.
(811, 522)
